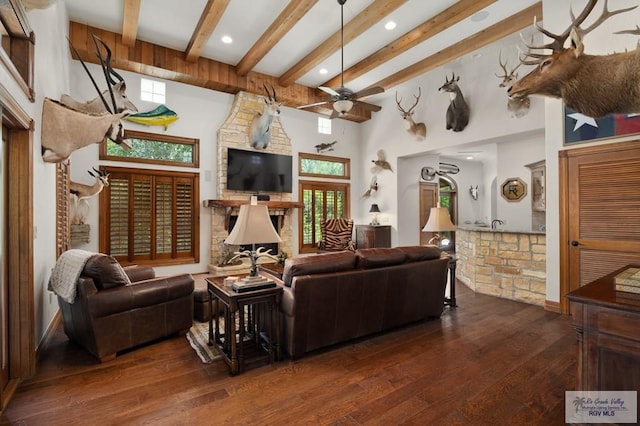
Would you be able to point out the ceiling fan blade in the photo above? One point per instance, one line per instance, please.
(312, 105)
(367, 106)
(374, 90)
(334, 114)
(329, 90)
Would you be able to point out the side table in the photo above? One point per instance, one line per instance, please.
(451, 300)
(251, 323)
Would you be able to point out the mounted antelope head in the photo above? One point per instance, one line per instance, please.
(116, 89)
(517, 107)
(81, 192)
(473, 190)
(417, 130)
(458, 111)
(586, 83)
(260, 130)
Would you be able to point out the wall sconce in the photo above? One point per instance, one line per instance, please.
(374, 210)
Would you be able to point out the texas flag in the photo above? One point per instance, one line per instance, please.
(579, 127)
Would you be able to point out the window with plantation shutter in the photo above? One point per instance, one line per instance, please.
(63, 229)
(150, 216)
(322, 200)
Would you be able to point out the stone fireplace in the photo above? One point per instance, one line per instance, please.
(234, 134)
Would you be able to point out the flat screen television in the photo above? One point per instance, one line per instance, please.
(258, 171)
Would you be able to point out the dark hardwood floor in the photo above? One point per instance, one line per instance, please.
(489, 362)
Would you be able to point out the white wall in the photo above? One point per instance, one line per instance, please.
(51, 80)
(202, 112)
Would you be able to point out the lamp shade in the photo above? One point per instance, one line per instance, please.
(253, 226)
(374, 209)
(438, 221)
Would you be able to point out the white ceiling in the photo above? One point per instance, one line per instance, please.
(171, 24)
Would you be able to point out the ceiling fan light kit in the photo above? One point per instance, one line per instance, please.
(342, 98)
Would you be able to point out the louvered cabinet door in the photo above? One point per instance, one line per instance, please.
(603, 211)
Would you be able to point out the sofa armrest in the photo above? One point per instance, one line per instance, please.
(139, 273)
(141, 294)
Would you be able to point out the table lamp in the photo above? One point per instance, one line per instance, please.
(438, 221)
(374, 210)
(253, 227)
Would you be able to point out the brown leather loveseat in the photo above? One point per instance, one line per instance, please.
(116, 309)
(334, 297)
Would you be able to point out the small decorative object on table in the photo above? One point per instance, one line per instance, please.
(628, 281)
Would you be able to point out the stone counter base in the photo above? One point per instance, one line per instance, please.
(507, 265)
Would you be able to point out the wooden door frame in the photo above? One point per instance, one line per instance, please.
(422, 187)
(565, 200)
(22, 355)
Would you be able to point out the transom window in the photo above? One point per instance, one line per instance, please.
(153, 148)
(316, 165)
(324, 126)
(152, 91)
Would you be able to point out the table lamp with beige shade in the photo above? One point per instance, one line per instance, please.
(439, 221)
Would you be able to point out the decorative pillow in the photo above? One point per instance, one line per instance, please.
(337, 234)
(416, 253)
(379, 257)
(105, 271)
(317, 264)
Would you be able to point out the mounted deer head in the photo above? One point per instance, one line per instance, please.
(517, 107)
(80, 193)
(458, 111)
(417, 130)
(260, 130)
(586, 83)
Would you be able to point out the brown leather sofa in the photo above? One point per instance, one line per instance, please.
(117, 309)
(335, 297)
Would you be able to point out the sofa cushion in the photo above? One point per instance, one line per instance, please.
(105, 271)
(417, 253)
(317, 264)
(379, 257)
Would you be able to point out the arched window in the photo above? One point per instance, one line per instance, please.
(448, 194)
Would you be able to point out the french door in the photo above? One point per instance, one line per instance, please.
(322, 200)
(4, 287)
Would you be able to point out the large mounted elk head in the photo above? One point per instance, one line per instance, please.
(260, 130)
(586, 83)
(417, 130)
(517, 107)
(458, 111)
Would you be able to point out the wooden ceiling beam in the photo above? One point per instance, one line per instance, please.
(168, 64)
(445, 19)
(210, 17)
(289, 17)
(130, 21)
(500, 30)
(362, 22)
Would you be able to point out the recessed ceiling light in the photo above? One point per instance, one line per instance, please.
(390, 25)
(470, 157)
(323, 71)
(226, 39)
(476, 55)
(480, 16)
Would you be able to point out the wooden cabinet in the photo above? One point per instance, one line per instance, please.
(373, 236)
(608, 326)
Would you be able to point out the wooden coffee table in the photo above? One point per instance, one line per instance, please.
(254, 332)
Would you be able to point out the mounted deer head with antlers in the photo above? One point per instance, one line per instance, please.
(417, 130)
(517, 107)
(80, 193)
(586, 83)
(458, 111)
(260, 130)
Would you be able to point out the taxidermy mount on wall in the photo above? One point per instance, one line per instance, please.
(458, 111)
(260, 130)
(517, 107)
(417, 130)
(585, 83)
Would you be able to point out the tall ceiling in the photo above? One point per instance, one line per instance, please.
(288, 42)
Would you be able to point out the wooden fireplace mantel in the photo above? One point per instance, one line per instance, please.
(230, 205)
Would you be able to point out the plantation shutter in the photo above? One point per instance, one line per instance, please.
(63, 228)
(321, 201)
(152, 216)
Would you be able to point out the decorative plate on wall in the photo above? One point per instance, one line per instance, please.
(513, 189)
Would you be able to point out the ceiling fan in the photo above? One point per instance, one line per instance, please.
(342, 98)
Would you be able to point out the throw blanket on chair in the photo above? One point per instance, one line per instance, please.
(66, 272)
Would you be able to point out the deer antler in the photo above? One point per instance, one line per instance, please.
(271, 98)
(413, 106)
(606, 14)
